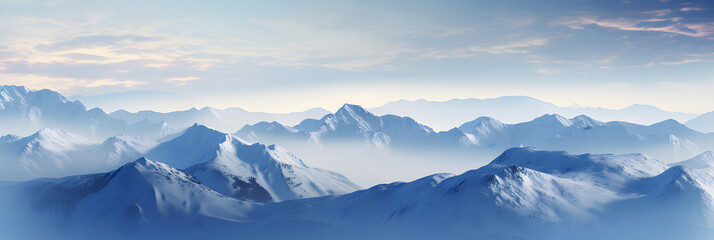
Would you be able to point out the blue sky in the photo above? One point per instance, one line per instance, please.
(287, 55)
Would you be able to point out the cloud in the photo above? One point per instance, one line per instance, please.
(516, 47)
(548, 71)
(114, 82)
(689, 9)
(181, 81)
(659, 13)
(96, 40)
(666, 25)
(685, 61)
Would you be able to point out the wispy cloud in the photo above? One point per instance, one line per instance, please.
(689, 9)
(685, 61)
(548, 71)
(667, 25)
(181, 81)
(114, 82)
(515, 47)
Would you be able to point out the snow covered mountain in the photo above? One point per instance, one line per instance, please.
(529, 194)
(443, 115)
(57, 153)
(704, 160)
(522, 194)
(23, 112)
(227, 120)
(702, 123)
(352, 123)
(667, 140)
(254, 172)
(141, 193)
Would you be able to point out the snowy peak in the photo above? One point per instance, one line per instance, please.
(355, 111)
(261, 173)
(195, 145)
(622, 167)
(55, 140)
(20, 97)
(142, 191)
(353, 115)
(147, 168)
(704, 160)
(483, 126)
(554, 120)
(583, 121)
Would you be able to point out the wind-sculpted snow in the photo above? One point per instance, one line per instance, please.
(23, 111)
(247, 171)
(57, 153)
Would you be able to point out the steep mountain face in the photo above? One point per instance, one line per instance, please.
(548, 195)
(140, 192)
(23, 111)
(56, 153)
(245, 171)
(702, 123)
(443, 115)
(227, 120)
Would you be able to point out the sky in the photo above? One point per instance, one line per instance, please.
(283, 56)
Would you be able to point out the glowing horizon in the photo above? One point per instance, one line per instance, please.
(287, 57)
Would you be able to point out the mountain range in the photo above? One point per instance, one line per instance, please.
(226, 120)
(444, 115)
(23, 112)
(546, 194)
(667, 140)
(57, 153)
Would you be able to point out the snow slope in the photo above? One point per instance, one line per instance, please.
(140, 192)
(704, 160)
(702, 123)
(247, 171)
(57, 153)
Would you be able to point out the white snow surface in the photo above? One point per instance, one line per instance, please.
(236, 168)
